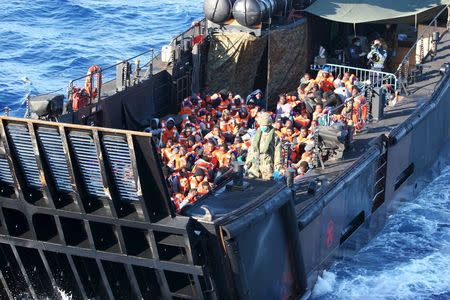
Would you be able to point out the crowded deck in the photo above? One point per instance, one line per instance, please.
(212, 131)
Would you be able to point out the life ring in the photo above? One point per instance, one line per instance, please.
(94, 69)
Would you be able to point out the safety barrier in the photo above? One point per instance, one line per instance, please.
(376, 78)
(424, 45)
(182, 42)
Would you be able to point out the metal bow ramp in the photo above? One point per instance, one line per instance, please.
(86, 210)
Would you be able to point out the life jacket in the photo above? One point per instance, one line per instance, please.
(302, 140)
(180, 162)
(301, 121)
(242, 121)
(223, 125)
(223, 158)
(360, 110)
(167, 153)
(295, 155)
(203, 164)
(326, 86)
(232, 128)
(202, 190)
(184, 184)
(223, 104)
(185, 110)
(80, 98)
(177, 200)
(169, 133)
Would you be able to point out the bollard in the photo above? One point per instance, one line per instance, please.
(238, 173)
(290, 177)
(238, 183)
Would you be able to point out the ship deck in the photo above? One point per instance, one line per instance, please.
(419, 93)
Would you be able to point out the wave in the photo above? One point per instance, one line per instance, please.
(53, 41)
(410, 257)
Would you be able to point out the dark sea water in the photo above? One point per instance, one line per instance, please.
(410, 257)
(45, 44)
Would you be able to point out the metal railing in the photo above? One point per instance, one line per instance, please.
(377, 78)
(425, 44)
(101, 72)
(177, 43)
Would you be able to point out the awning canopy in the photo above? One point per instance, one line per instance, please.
(364, 11)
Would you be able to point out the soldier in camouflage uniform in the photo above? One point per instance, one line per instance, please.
(264, 156)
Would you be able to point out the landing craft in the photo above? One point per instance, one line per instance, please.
(85, 205)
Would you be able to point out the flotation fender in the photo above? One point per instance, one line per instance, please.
(218, 11)
(252, 12)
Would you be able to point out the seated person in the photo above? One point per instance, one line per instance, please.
(304, 137)
(283, 108)
(302, 169)
(318, 112)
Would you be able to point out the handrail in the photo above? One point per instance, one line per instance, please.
(99, 87)
(377, 78)
(402, 71)
(115, 65)
(406, 57)
(202, 30)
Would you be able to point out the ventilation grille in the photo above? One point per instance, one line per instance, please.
(54, 155)
(21, 142)
(86, 156)
(118, 156)
(5, 171)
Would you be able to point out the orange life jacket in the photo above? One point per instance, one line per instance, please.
(223, 104)
(203, 188)
(301, 121)
(169, 133)
(185, 110)
(184, 184)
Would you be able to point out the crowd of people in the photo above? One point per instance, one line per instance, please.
(199, 145)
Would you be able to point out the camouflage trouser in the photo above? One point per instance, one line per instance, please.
(263, 169)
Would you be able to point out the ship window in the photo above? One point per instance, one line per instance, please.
(404, 176)
(352, 226)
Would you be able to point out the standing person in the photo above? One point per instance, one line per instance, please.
(264, 157)
(256, 98)
(377, 56)
(356, 54)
